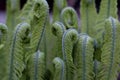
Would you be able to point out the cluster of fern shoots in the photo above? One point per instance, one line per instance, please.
(34, 46)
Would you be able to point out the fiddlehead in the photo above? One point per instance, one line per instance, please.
(40, 14)
(110, 51)
(84, 54)
(17, 51)
(60, 72)
(69, 18)
(58, 6)
(88, 16)
(3, 34)
(69, 38)
(58, 29)
(37, 66)
(3, 55)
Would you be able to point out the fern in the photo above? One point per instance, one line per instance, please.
(107, 8)
(110, 51)
(17, 65)
(69, 38)
(58, 29)
(69, 18)
(37, 66)
(40, 14)
(88, 16)
(84, 54)
(3, 55)
(58, 6)
(60, 72)
(26, 12)
(13, 8)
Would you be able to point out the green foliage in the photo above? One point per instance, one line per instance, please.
(17, 51)
(60, 72)
(37, 66)
(69, 18)
(69, 38)
(41, 50)
(84, 54)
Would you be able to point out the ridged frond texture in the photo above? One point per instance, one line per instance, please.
(110, 51)
(59, 69)
(58, 29)
(17, 65)
(107, 8)
(3, 33)
(84, 52)
(37, 66)
(3, 55)
(57, 8)
(88, 16)
(26, 12)
(96, 69)
(69, 38)
(40, 14)
(13, 8)
(69, 18)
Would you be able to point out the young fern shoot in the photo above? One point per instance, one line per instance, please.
(60, 72)
(37, 66)
(58, 6)
(17, 65)
(3, 55)
(58, 30)
(69, 18)
(110, 51)
(84, 54)
(40, 14)
(88, 16)
(69, 38)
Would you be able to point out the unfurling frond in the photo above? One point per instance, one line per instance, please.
(69, 18)
(60, 71)
(68, 40)
(40, 14)
(110, 59)
(17, 65)
(58, 29)
(84, 54)
(3, 33)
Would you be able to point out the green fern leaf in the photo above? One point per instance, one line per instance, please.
(37, 66)
(26, 12)
(107, 8)
(17, 51)
(69, 18)
(3, 55)
(60, 72)
(110, 51)
(88, 16)
(69, 38)
(40, 14)
(58, 29)
(84, 54)
(57, 8)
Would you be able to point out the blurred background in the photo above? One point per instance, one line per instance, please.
(73, 3)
